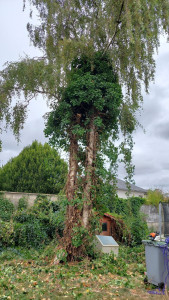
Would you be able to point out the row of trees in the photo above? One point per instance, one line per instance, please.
(83, 41)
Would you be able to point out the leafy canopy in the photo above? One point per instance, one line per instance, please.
(37, 169)
(92, 91)
(154, 197)
(128, 30)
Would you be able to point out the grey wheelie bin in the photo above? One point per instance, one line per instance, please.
(157, 262)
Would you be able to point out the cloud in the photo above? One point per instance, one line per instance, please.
(161, 130)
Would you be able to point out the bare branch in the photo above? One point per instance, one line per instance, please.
(116, 29)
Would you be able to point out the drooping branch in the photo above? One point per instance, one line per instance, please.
(21, 82)
(118, 22)
(37, 91)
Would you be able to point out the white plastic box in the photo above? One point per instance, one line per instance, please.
(106, 244)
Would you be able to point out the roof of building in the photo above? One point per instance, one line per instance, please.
(109, 216)
(121, 185)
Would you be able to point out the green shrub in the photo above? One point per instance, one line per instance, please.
(6, 233)
(21, 253)
(49, 213)
(23, 203)
(154, 197)
(130, 206)
(37, 169)
(6, 208)
(24, 217)
(30, 234)
(139, 230)
(37, 225)
(136, 227)
(50, 250)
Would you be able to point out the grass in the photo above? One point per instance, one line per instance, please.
(29, 274)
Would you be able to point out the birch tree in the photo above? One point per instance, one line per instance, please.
(128, 31)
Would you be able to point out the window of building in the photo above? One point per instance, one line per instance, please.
(104, 226)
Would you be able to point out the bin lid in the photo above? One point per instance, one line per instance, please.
(154, 243)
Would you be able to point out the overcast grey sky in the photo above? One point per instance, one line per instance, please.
(151, 150)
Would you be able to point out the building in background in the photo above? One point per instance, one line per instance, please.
(134, 191)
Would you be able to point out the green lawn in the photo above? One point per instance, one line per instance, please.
(29, 274)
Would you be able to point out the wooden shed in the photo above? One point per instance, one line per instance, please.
(111, 226)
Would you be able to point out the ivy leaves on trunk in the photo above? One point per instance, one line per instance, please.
(93, 98)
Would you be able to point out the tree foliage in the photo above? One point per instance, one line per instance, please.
(93, 91)
(154, 197)
(128, 30)
(37, 169)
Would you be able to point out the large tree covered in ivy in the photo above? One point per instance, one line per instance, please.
(126, 31)
(37, 169)
(83, 122)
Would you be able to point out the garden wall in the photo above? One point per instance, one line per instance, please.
(15, 196)
(150, 211)
(152, 217)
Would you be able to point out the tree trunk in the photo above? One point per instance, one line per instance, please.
(89, 172)
(73, 214)
(71, 183)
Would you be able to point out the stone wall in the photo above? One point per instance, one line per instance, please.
(152, 217)
(151, 212)
(15, 196)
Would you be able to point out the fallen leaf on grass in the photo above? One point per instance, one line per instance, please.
(112, 275)
(85, 284)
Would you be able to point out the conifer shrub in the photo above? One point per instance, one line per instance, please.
(37, 169)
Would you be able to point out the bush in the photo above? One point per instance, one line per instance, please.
(22, 204)
(37, 169)
(6, 208)
(30, 234)
(154, 197)
(6, 233)
(31, 226)
(130, 206)
(139, 230)
(136, 227)
(37, 225)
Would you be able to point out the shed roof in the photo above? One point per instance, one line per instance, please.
(109, 216)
